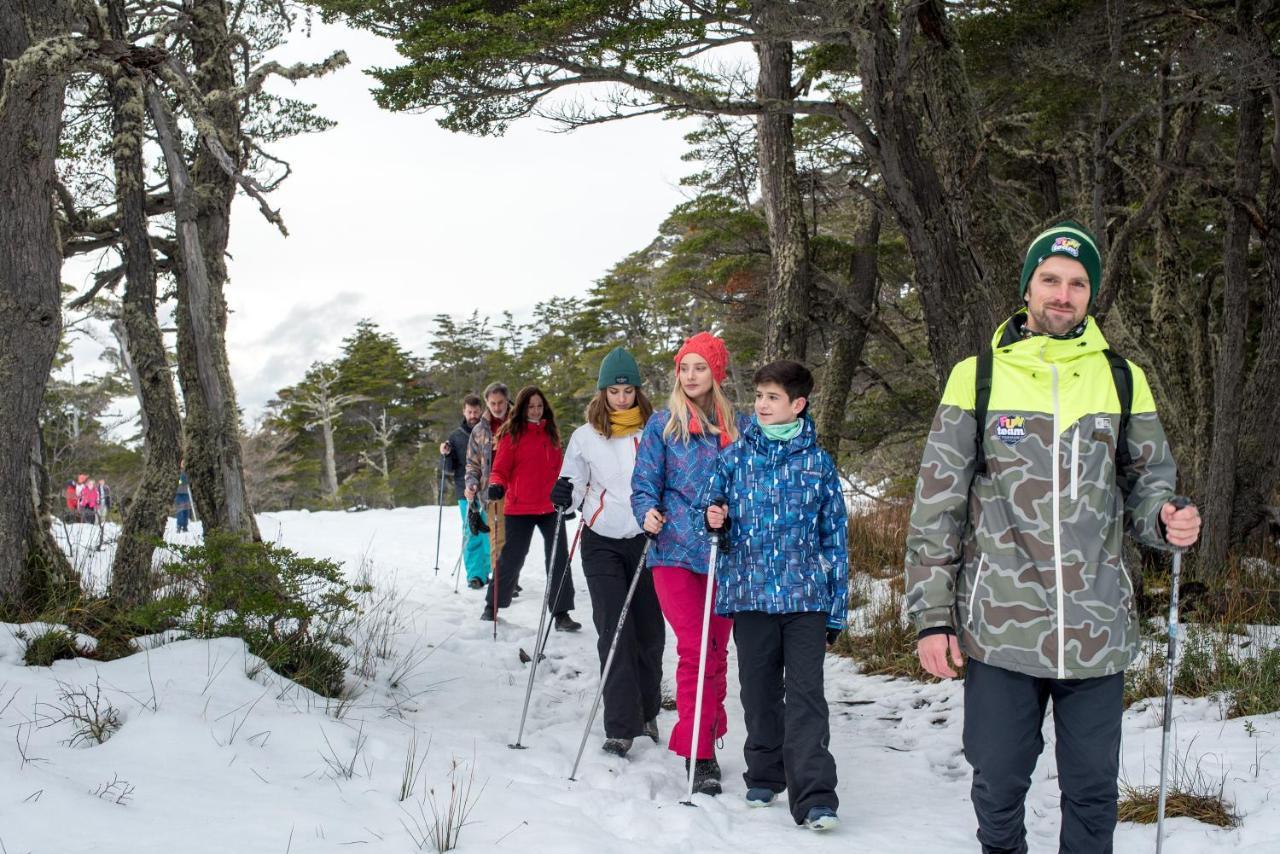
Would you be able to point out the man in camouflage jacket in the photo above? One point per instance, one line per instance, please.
(1020, 566)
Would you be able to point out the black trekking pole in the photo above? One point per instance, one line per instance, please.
(541, 641)
(1179, 502)
(613, 648)
(439, 513)
(542, 621)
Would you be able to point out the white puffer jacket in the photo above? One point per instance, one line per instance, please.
(600, 470)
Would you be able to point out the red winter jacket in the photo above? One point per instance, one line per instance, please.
(527, 468)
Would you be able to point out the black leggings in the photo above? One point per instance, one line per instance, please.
(519, 534)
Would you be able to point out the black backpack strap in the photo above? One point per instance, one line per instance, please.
(1122, 375)
(981, 399)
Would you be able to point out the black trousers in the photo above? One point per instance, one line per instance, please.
(1003, 718)
(519, 534)
(633, 692)
(780, 670)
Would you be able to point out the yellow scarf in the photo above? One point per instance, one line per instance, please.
(626, 422)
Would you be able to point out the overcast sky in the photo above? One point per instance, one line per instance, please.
(395, 219)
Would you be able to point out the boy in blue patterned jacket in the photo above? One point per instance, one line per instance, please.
(783, 576)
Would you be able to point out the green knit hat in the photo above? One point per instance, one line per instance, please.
(619, 368)
(1072, 240)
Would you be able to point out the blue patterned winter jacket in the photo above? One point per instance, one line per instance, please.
(787, 551)
(672, 474)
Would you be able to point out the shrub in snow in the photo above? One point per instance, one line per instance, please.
(294, 612)
(44, 649)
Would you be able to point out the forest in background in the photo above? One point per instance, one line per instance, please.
(860, 196)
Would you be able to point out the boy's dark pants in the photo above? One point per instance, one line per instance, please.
(1003, 718)
(633, 693)
(780, 670)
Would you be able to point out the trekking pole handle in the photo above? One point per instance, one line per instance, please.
(1180, 501)
(661, 510)
(720, 534)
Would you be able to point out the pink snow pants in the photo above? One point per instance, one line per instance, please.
(682, 595)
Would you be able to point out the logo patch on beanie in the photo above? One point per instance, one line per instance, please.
(622, 380)
(1011, 429)
(1066, 244)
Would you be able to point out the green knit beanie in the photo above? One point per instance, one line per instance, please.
(1070, 239)
(619, 368)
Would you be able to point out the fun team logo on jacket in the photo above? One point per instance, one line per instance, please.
(1066, 244)
(1011, 429)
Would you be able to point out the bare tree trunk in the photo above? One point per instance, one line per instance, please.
(851, 329)
(926, 143)
(213, 458)
(31, 102)
(149, 510)
(330, 464)
(790, 275)
(1258, 458)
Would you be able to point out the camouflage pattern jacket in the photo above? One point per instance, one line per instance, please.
(1025, 562)
(480, 456)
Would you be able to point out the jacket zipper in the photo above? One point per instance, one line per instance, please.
(1057, 519)
(1075, 460)
(1124, 570)
(973, 594)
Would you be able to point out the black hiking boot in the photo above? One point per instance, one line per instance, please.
(475, 584)
(487, 613)
(706, 776)
(565, 623)
(651, 730)
(616, 746)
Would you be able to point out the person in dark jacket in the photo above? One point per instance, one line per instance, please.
(453, 459)
(783, 577)
(526, 463)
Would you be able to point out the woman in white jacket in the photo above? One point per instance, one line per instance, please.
(596, 476)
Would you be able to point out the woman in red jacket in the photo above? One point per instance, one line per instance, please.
(526, 464)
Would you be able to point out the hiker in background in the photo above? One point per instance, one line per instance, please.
(453, 456)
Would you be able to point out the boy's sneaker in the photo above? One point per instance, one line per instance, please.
(616, 746)
(475, 584)
(706, 776)
(651, 730)
(760, 796)
(821, 818)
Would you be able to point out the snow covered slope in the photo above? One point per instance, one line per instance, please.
(215, 754)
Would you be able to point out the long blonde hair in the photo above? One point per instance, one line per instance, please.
(683, 410)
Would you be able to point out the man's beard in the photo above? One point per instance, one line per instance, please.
(1056, 324)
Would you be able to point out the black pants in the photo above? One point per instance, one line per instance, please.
(1003, 718)
(780, 670)
(519, 534)
(633, 692)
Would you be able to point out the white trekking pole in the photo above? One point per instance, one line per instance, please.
(542, 621)
(613, 648)
(1179, 502)
(716, 536)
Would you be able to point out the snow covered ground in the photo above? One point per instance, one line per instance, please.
(216, 755)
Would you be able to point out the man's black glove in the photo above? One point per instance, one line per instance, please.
(833, 635)
(475, 522)
(496, 491)
(562, 494)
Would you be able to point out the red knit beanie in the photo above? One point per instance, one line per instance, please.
(710, 348)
